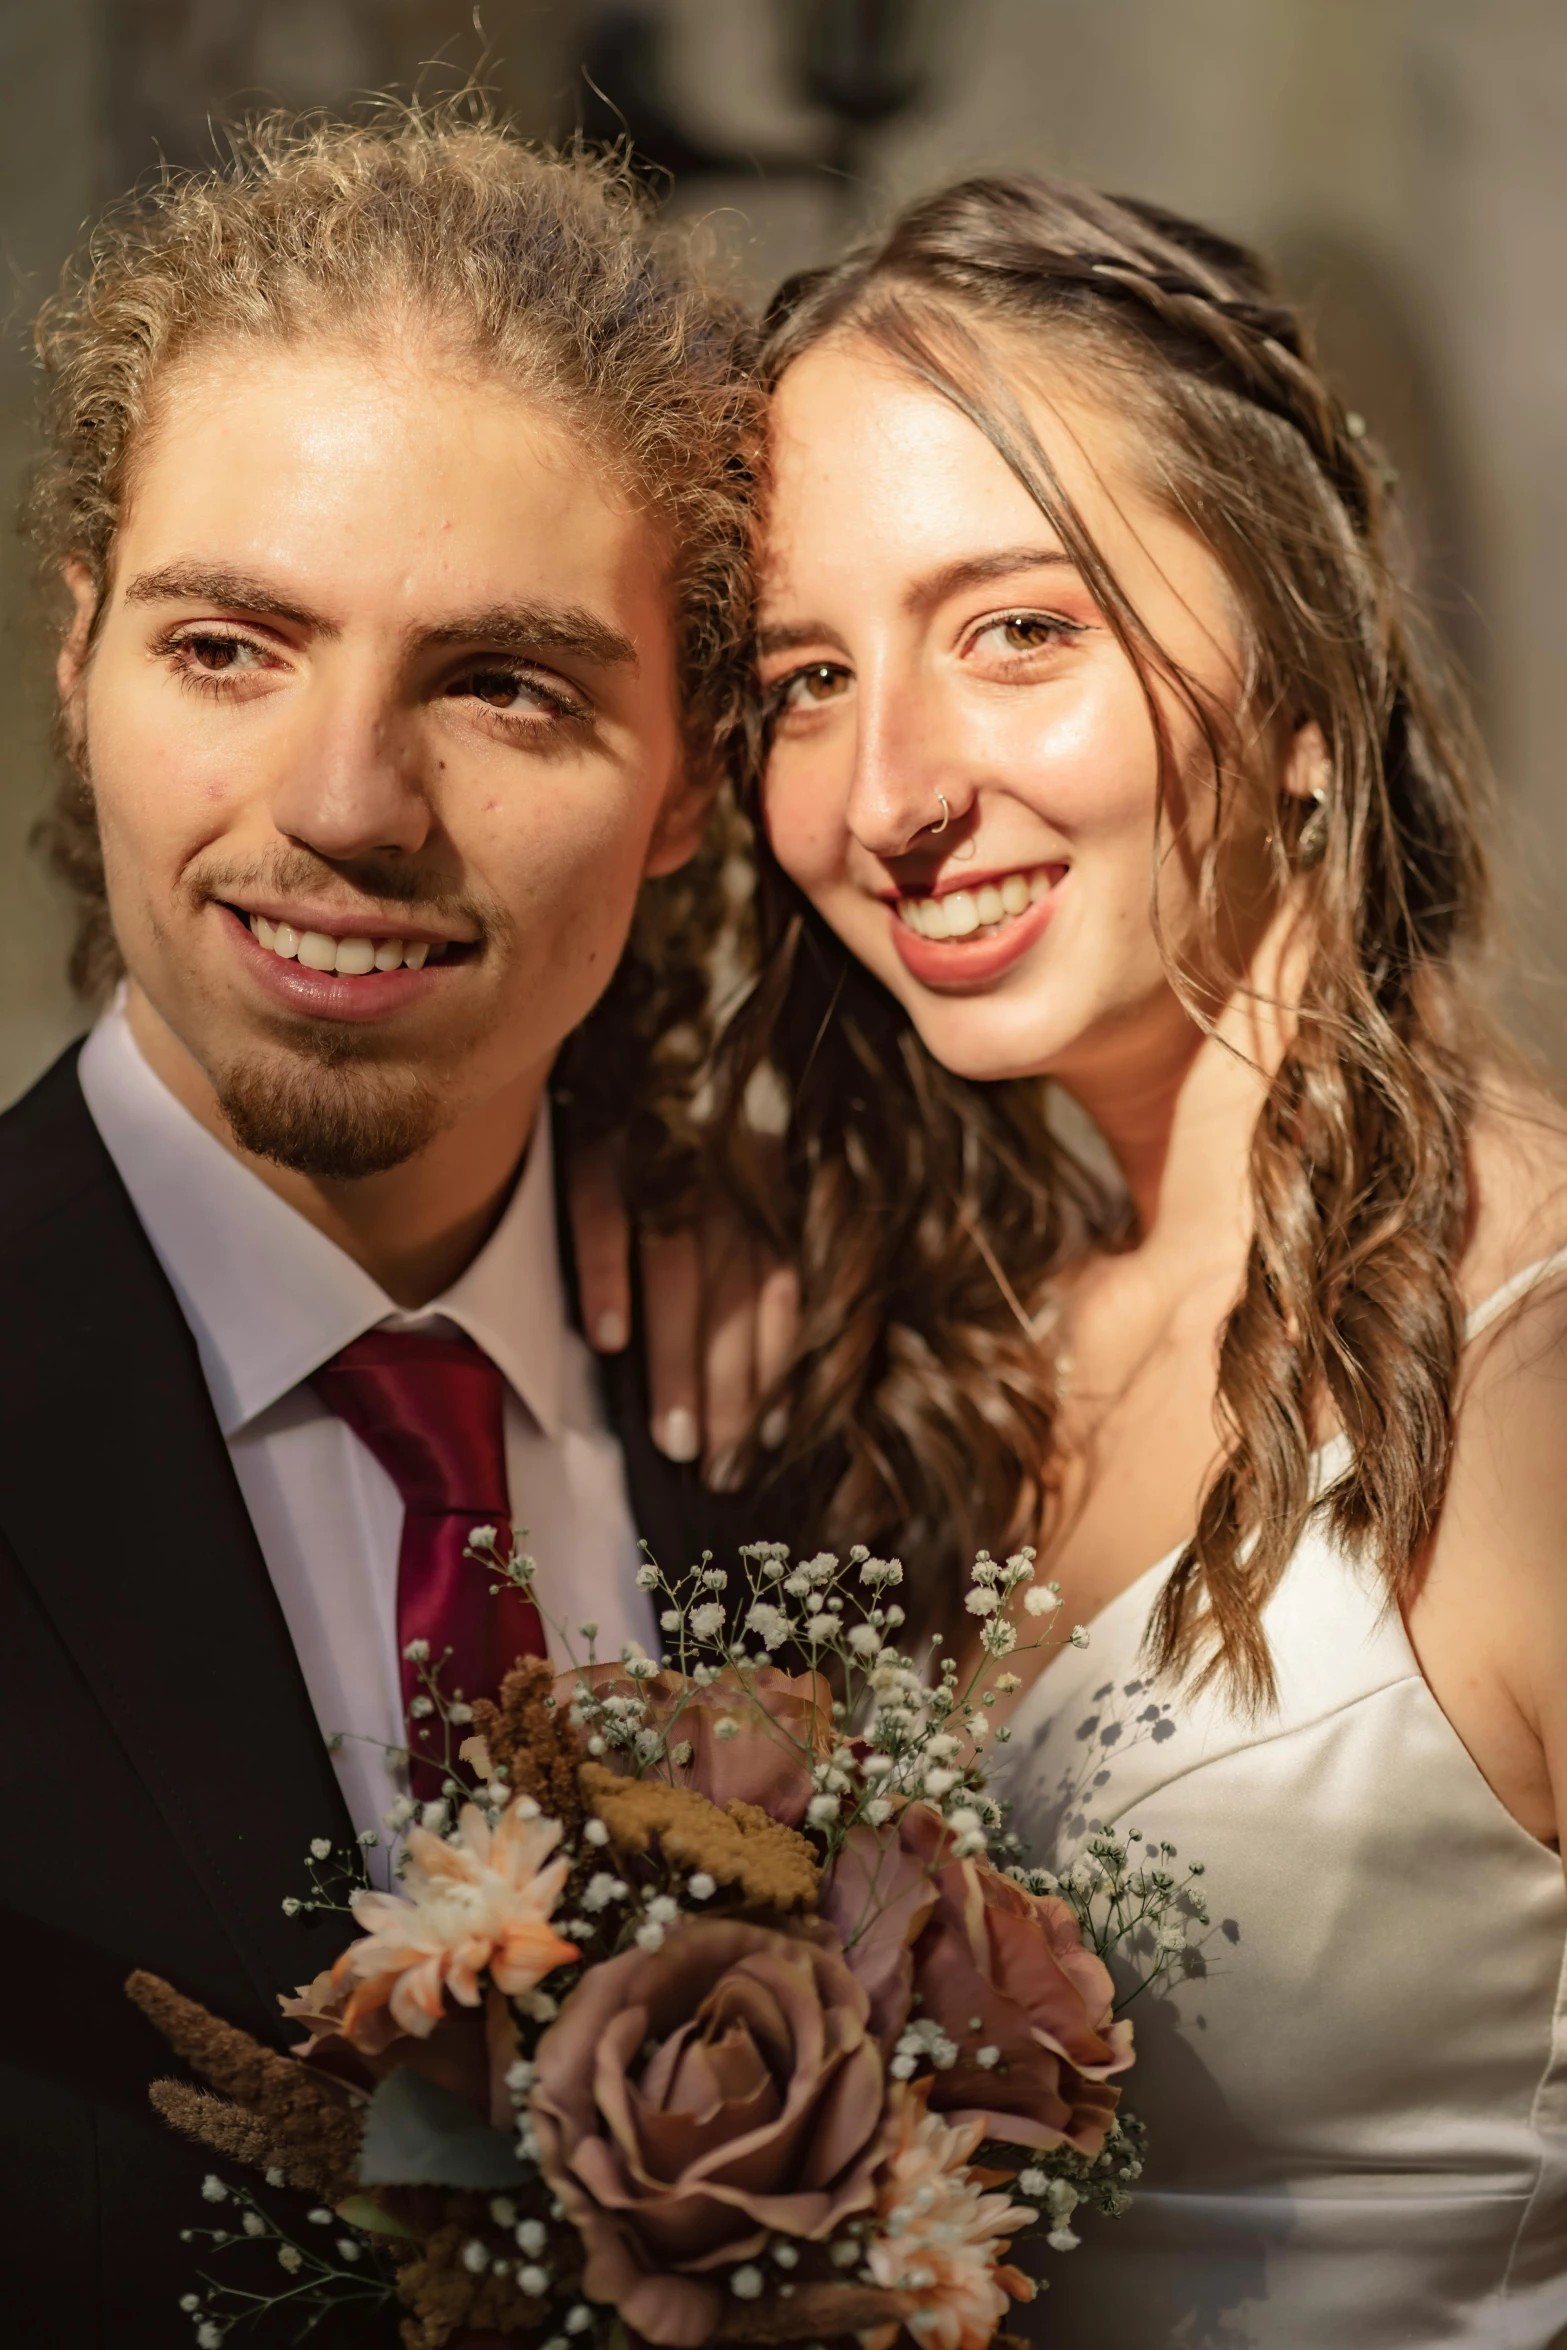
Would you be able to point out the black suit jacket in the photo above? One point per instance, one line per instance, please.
(161, 1771)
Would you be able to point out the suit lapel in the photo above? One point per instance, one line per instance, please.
(119, 1502)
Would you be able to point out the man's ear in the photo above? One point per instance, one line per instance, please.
(678, 832)
(1308, 771)
(71, 661)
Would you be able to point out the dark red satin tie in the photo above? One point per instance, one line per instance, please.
(431, 1411)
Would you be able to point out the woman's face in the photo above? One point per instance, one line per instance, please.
(925, 638)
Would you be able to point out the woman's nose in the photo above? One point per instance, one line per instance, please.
(905, 792)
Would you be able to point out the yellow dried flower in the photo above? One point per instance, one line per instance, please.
(744, 1846)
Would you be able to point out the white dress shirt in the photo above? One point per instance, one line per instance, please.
(270, 1299)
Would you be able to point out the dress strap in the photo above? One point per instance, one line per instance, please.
(1500, 1300)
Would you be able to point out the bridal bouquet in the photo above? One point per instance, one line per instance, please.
(715, 2004)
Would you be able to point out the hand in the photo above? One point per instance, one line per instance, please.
(721, 1315)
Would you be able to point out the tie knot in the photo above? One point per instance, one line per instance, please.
(431, 1410)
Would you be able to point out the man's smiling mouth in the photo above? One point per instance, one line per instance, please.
(352, 955)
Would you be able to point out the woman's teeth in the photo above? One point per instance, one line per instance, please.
(353, 957)
(963, 912)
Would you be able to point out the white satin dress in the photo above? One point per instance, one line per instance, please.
(1357, 2113)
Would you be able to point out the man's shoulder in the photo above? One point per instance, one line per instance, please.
(50, 1151)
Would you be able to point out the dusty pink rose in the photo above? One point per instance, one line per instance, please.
(692, 2101)
(783, 1723)
(970, 1943)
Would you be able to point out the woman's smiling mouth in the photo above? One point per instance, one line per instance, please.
(966, 937)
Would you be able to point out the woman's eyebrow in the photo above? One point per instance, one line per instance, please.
(967, 571)
(979, 570)
(790, 636)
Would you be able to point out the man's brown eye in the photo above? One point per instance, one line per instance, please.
(214, 652)
(498, 687)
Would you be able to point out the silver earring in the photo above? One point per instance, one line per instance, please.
(946, 817)
(1312, 846)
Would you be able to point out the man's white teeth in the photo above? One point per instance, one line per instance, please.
(964, 911)
(353, 957)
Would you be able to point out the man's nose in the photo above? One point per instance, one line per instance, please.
(905, 786)
(352, 783)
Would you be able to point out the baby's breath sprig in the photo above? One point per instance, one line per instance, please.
(331, 2272)
(900, 1732)
(438, 1719)
(336, 1872)
(1061, 2181)
(441, 1724)
(1132, 1904)
(517, 1567)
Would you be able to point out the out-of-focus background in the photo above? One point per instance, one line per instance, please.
(1403, 161)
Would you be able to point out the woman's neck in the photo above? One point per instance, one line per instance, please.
(1177, 1107)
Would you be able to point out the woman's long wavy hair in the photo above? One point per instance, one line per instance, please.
(545, 269)
(929, 1215)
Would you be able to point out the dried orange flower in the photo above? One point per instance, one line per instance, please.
(483, 1901)
(942, 2237)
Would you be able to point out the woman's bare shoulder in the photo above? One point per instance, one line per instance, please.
(1512, 1395)
(1489, 1614)
(1518, 1175)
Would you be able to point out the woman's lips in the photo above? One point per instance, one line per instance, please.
(332, 995)
(961, 964)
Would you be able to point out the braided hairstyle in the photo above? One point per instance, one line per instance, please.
(930, 1215)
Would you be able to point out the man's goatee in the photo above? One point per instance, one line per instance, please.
(340, 1119)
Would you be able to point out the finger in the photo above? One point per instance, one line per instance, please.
(671, 1305)
(601, 1240)
(729, 1356)
(777, 1328)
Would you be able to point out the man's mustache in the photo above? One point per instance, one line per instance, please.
(392, 885)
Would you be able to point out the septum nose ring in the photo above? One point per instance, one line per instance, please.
(946, 817)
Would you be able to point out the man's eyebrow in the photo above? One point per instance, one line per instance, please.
(968, 571)
(235, 591)
(537, 628)
(499, 628)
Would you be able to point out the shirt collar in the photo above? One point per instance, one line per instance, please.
(268, 1297)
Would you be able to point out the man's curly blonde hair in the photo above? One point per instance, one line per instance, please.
(545, 269)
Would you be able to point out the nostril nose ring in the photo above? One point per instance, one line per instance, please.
(946, 816)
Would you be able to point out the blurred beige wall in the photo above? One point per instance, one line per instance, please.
(1406, 161)
(48, 181)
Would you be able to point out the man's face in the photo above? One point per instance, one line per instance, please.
(381, 725)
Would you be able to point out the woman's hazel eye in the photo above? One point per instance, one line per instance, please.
(820, 683)
(1028, 633)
